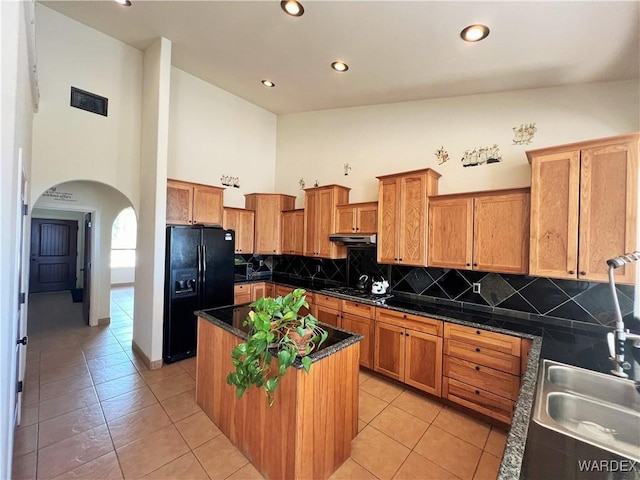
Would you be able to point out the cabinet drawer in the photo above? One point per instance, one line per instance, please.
(242, 293)
(327, 301)
(483, 338)
(482, 377)
(477, 399)
(282, 290)
(406, 320)
(483, 356)
(359, 309)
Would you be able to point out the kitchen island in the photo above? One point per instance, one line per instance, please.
(307, 432)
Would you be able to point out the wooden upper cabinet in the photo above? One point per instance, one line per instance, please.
(320, 220)
(293, 232)
(357, 218)
(242, 222)
(480, 231)
(402, 216)
(192, 203)
(268, 209)
(592, 189)
(450, 232)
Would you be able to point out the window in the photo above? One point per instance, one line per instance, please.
(123, 239)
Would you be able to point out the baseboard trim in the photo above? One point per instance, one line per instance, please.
(104, 321)
(156, 364)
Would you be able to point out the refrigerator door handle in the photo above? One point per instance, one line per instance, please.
(199, 262)
(203, 257)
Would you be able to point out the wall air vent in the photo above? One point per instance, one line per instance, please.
(89, 101)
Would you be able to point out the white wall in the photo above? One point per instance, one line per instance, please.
(73, 144)
(106, 203)
(383, 139)
(16, 107)
(214, 133)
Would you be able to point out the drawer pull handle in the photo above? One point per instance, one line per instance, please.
(478, 332)
(478, 349)
(404, 316)
(477, 368)
(583, 273)
(477, 392)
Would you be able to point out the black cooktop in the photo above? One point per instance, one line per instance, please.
(358, 294)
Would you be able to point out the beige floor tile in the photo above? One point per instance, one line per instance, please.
(400, 425)
(65, 386)
(105, 467)
(25, 440)
(102, 351)
(197, 429)
(381, 388)
(136, 425)
(95, 342)
(173, 386)
(351, 470)
(378, 453)
(107, 361)
(361, 425)
(69, 424)
(463, 426)
(369, 406)
(185, 467)
(416, 467)
(496, 442)
(24, 467)
(248, 472)
(59, 358)
(167, 371)
(31, 393)
(449, 452)
(181, 406)
(418, 405)
(73, 452)
(65, 371)
(111, 373)
(149, 453)
(364, 376)
(128, 403)
(119, 386)
(67, 403)
(488, 467)
(220, 458)
(29, 415)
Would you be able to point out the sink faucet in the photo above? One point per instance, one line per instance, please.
(617, 338)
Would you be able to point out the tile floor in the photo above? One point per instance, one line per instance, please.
(93, 410)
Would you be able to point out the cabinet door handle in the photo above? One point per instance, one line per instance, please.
(475, 264)
(477, 392)
(583, 273)
(477, 332)
(572, 272)
(404, 316)
(468, 264)
(400, 259)
(477, 368)
(406, 334)
(478, 349)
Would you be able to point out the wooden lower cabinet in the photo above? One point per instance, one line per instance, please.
(257, 290)
(269, 289)
(365, 327)
(482, 370)
(328, 315)
(242, 293)
(409, 356)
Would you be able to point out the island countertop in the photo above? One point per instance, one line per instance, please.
(232, 318)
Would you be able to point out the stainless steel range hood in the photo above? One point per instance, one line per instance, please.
(367, 239)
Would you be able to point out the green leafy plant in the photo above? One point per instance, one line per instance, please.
(277, 330)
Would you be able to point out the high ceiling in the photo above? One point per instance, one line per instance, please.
(397, 51)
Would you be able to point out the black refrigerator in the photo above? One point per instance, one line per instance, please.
(199, 274)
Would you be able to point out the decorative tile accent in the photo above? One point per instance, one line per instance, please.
(335, 270)
(598, 302)
(494, 289)
(543, 295)
(517, 302)
(453, 283)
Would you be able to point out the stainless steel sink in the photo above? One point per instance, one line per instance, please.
(595, 408)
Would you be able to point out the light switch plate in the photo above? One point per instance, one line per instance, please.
(476, 287)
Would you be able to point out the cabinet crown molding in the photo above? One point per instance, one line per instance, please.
(482, 193)
(630, 137)
(427, 171)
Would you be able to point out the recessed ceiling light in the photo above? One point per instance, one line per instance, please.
(268, 83)
(126, 3)
(340, 66)
(291, 7)
(474, 33)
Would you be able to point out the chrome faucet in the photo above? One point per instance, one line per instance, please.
(617, 338)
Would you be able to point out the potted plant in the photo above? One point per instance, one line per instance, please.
(277, 330)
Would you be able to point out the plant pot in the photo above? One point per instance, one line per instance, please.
(300, 341)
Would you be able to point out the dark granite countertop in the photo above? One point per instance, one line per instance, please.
(570, 345)
(231, 319)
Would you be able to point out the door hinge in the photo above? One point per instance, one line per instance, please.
(20, 387)
(25, 209)
(89, 224)
(22, 298)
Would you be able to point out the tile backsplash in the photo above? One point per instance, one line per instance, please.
(568, 302)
